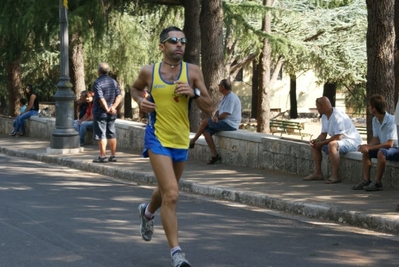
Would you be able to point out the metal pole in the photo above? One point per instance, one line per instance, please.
(64, 135)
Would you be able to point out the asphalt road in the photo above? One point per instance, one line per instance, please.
(55, 216)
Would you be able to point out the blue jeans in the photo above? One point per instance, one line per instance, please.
(82, 129)
(21, 119)
(221, 125)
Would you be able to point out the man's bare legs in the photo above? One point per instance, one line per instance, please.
(334, 159)
(102, 145)
(166, 195)
(366, 162)
(317, 173)
(381, 163)
(204, 124)
(211, 143)
(112, 146)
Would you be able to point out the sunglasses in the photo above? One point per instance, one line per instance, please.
(175, 40)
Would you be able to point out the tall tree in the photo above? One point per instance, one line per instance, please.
(17, 32)
(192, 55)
(293, 102)
(14, 86)
(396, 55)
(88, 22)
(211, 24)
(264, 74)
(380, 51)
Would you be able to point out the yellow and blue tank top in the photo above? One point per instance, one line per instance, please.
(169, 127)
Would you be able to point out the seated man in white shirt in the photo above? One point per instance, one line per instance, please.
(383, 146)
(343, 138)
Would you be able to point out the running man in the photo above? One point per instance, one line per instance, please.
(172, 84)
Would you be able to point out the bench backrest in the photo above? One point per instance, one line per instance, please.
(362, 130)
(286, 124)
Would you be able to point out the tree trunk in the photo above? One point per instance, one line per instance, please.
(264, 76)
(193, 34)
(211, 19)
(330, 91)
(293, 100)
(192, 31)
(3, 105)
(77, 70)
(14, 87)
(121, 107)
(255, 85)
(396, 57)
(380, 60)
(77, 66)
(128, 105)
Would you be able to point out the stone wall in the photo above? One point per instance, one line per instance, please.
(239, 148)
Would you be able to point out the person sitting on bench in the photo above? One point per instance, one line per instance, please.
(343, 138)
(227, 118)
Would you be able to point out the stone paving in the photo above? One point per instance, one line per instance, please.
(263, 188)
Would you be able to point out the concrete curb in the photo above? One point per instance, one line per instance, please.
(311, 210)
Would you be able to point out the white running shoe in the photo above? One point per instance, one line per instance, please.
(179, 260)
(146, 226)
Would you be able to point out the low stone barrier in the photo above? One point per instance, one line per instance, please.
(239, 148)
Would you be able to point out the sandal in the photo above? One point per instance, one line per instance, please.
(213, 160)
(312, 178)
(333, 180)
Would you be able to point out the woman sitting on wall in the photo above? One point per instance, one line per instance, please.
(31, 110)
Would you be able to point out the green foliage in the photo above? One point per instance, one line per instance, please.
(130, 42)
(325, 35)
(25, 29)
(327, 4)
(42, 69)
(355, 97)
(344, 44)
(244, 18)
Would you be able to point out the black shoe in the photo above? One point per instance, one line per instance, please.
(112, 159)
(361, 185)
(100, 160)
(373, 187)
(13, 133)
(21, 134)
(213, 160)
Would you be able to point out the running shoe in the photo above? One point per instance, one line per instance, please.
(361, 185)
(146, 226)
(179, 260)
(373, 187)
(112, 158)
(100, 160)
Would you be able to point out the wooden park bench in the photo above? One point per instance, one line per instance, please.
(288, 127)
(362, 131)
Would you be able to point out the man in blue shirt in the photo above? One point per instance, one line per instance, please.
(107, 97)
(227, 118)
(383, 146)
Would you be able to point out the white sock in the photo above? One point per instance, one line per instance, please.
(173, 250)
(148, 214)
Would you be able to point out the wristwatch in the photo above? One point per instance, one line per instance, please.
(197, 93)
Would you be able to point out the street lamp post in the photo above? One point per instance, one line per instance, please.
(64, 136)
